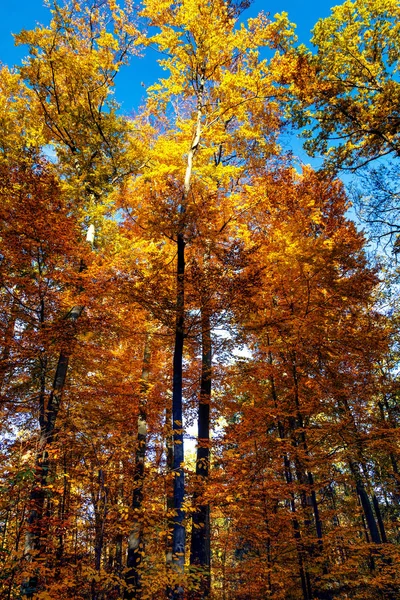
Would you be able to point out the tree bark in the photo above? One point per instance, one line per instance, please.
(135, 541)
(200, 541)
(304, 574)
(47, 420)
(179, 534)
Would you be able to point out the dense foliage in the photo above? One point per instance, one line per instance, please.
(177, 272)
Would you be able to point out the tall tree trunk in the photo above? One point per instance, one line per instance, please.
(169, 492)
(303, 571)
(47, 420)
(5, 363)
(306, 478)
(100, 505)
(63, 510)
(375, 526)
(304, 574)
(365, 503)
(135, 541)
(179, 533)
(200, 541)
(178, 537)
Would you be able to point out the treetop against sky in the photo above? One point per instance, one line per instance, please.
(142, 72)
(204, 237)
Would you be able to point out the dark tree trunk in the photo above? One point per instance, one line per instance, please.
(200, 541)
(379, 517)
(169, 490)
(100, 504)
(5, 363)
(179, 534)
(365, 504)
(135, 541)
(178, 537)
(306, 478)
(303, 571)
(47, 419)
(357, 466)
(63, 510)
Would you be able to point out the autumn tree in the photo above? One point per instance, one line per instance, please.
(299, 437)
(70, 72)
(351, 102)
(345, 97)
(221, 120)
(219, 285)
(71, 68)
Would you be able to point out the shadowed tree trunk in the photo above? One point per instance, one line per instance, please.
(179, 533)
(48, 413)
(178, 537)
(169, 491)
(200, 542)
(365, 503)
(135, 541)
(8, 336)
(100, 505)
(304, 574)
(47, 420)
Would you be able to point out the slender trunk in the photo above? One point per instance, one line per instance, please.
(47, 421)
(365, 503)
(178, 537)
(375, 502)
(169, 491)
(62, 511)
(48, 418)
(119, 537)
(100, 508)
(303, 571)
(100, 504)
(331, 493)
(269, 567)
(376, 530)
(378, 513)
(308, 475)
(118, 553)
(5, 363)
(179, 533)
(135, 541)
(200, 542)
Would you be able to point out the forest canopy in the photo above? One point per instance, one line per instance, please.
(199, 348)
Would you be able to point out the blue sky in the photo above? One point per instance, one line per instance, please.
(142, 72)
(25, 14)
(133, 80)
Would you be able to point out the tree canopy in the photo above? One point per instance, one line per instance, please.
(198, 384)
